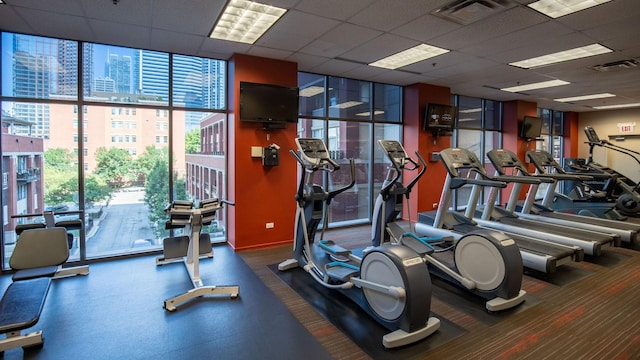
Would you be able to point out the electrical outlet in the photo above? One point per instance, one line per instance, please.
(269, 225)
(435, 205)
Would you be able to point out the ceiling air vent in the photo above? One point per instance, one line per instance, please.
(468, 11)
(617, 65)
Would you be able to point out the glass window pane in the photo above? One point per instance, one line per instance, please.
(312, 94)
(199, 162)
(125, 75)
(388, 103)
(545, 114)
(350, 140)
(492, 115)
(469, 113)
(471, 140)
(36, 67)
(349, 99)
(199, 82)
(558, 123)
(123, 162)
(40, 172)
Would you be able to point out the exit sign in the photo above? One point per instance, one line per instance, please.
(626, 127)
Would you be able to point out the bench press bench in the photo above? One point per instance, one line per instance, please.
(36, 257)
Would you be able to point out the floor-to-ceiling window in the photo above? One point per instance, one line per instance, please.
(351, 115)
(111, 132)
(478, 128)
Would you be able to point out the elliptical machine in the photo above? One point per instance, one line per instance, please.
(389, 282)
(486, 263)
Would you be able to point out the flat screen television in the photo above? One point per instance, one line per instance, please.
(439, 117)
(267, 103)
(531, 127)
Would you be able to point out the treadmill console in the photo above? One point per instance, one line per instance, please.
(458, 158)
(312, 150)
(394, 151)
(592, 137)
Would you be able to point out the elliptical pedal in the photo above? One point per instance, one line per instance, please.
(341, 271)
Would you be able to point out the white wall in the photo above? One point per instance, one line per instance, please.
(605, 123)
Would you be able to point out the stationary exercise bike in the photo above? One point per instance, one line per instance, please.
(389, 282)
(486, 263)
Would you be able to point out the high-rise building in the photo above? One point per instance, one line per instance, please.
(118, 68)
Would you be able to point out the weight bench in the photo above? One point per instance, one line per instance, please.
(40, 252)
(20, 309)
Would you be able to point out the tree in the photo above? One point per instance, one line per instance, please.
(95, 190)
(147, 160)
(156, 195)
(61, 177)
(58, 159)
(192, 141)
(114, 166)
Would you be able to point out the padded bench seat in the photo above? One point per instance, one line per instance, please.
(20, 309)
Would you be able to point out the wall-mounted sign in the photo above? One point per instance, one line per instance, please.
(627, 127)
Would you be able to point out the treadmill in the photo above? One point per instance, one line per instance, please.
(499, 218)
(538, 255)
(505, 161)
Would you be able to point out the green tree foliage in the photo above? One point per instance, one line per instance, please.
(61, 177)
(115, 166)
(146, 160)
(192, 141)
(95, 190)
(156, 195)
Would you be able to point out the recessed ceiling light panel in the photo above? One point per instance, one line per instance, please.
(620, 106)
(571, 54)
(558, 8)
(584, 97)
(534, 86)
(245, 21)
(409, 56)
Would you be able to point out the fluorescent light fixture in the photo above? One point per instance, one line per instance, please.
(468, 111)
(585, 97)
(368, 113)
(558, 8)
(346, 104)
(311, 91)
(566, 55)
(538, 85)
(409, 56)
(245, 21)
(621, 106)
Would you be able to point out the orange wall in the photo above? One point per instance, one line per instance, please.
(513, 113)
(427, 191)
(572, 133)
(262, 194)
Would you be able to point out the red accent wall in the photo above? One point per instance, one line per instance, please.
(513, 112)
(572, 133)
(262, 194)
(427, 191)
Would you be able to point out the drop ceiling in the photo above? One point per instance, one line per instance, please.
(339, 37)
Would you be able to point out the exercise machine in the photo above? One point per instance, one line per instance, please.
(616, 186)
(464, 169)
(48, 220)
(591, 205)
(505, 161)
(499, 218)
(37, 251)
(484, 263)
(389, 282)
(190, 247)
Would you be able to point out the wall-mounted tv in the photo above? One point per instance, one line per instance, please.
(267, 103)
(531, 127)
(439, 117)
